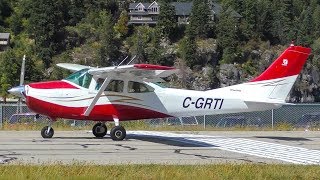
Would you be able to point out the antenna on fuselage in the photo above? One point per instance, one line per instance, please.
(124, 60)
(132, 59)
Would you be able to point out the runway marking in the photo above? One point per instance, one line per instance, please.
(296, 155)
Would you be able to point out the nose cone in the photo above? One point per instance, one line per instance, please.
(17, 91)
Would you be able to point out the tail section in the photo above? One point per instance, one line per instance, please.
(275, 83)
(289, 63)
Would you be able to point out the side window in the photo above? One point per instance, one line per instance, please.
(115, 86)
(136, 87)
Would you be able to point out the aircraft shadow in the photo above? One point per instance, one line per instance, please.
(106, 137)
(284, 138)
(171, 141)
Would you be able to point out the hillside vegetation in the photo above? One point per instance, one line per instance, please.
(209, 53)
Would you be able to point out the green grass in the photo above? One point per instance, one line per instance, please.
(129, 125)
(142, 125)
(224, 171)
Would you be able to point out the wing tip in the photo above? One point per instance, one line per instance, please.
(153, 67)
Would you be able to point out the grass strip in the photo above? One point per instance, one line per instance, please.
(219, 171)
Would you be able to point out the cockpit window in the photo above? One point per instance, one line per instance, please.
(160, 84)
(81, 78)
(137, 87)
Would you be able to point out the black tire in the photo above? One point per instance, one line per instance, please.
(99, 130)
(45, 133)
(118, 133)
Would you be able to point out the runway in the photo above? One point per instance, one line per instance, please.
(154, 147)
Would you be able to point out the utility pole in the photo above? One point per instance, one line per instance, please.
(22, 70)
(23, 66)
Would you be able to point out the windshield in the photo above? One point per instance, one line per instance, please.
(160, 84)
(81, 78)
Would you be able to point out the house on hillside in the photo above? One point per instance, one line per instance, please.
(147, 13)
(4, 41)
(143, 13)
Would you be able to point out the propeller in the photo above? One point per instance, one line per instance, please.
(18, 91)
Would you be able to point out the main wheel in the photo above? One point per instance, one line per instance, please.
(118, 133)
(45, 133)
(99, 130)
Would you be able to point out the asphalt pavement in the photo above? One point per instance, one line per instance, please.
(154, 147)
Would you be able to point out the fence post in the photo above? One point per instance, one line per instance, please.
(1, 117)
(272, 116)
(204, 122)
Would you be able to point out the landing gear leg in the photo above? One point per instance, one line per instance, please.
(117, 133)
(47, 131)
(99, 130)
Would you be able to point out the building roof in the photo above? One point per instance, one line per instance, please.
(182, 8)
(4, 35)
(217, 8)
(134, 5)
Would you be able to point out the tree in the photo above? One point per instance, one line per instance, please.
(75, 11)
(187, 51)
(250, 18)
(5, 11)
(9, 72)
(47, 28)
(107, 52)
(283, 21)
(316, 21)
(166, 20)
(228, 36)
(305, 27)
(121, 27)
(264, 19)
(199, 20)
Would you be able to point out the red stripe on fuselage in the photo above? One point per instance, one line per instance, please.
(53, 85)
(99, 112)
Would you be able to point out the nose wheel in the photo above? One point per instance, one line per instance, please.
(47, 132)
(99, 130)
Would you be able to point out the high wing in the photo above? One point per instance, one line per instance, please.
(73, 67)
(146, 72)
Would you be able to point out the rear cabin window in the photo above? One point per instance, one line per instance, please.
(81, 78)
(137, 87)
(115, 86)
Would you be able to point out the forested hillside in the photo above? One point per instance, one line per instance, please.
(210, 53)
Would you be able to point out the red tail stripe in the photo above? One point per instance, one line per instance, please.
(289, 63)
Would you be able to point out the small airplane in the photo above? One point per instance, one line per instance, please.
(132, 92)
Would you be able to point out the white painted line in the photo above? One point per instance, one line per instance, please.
(296, 155)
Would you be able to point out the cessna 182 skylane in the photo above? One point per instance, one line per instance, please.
(130, 92)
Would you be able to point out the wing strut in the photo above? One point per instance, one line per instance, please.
(96, 98)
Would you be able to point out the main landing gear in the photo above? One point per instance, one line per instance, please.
(117, 133)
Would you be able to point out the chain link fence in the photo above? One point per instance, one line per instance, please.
(300, 116)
